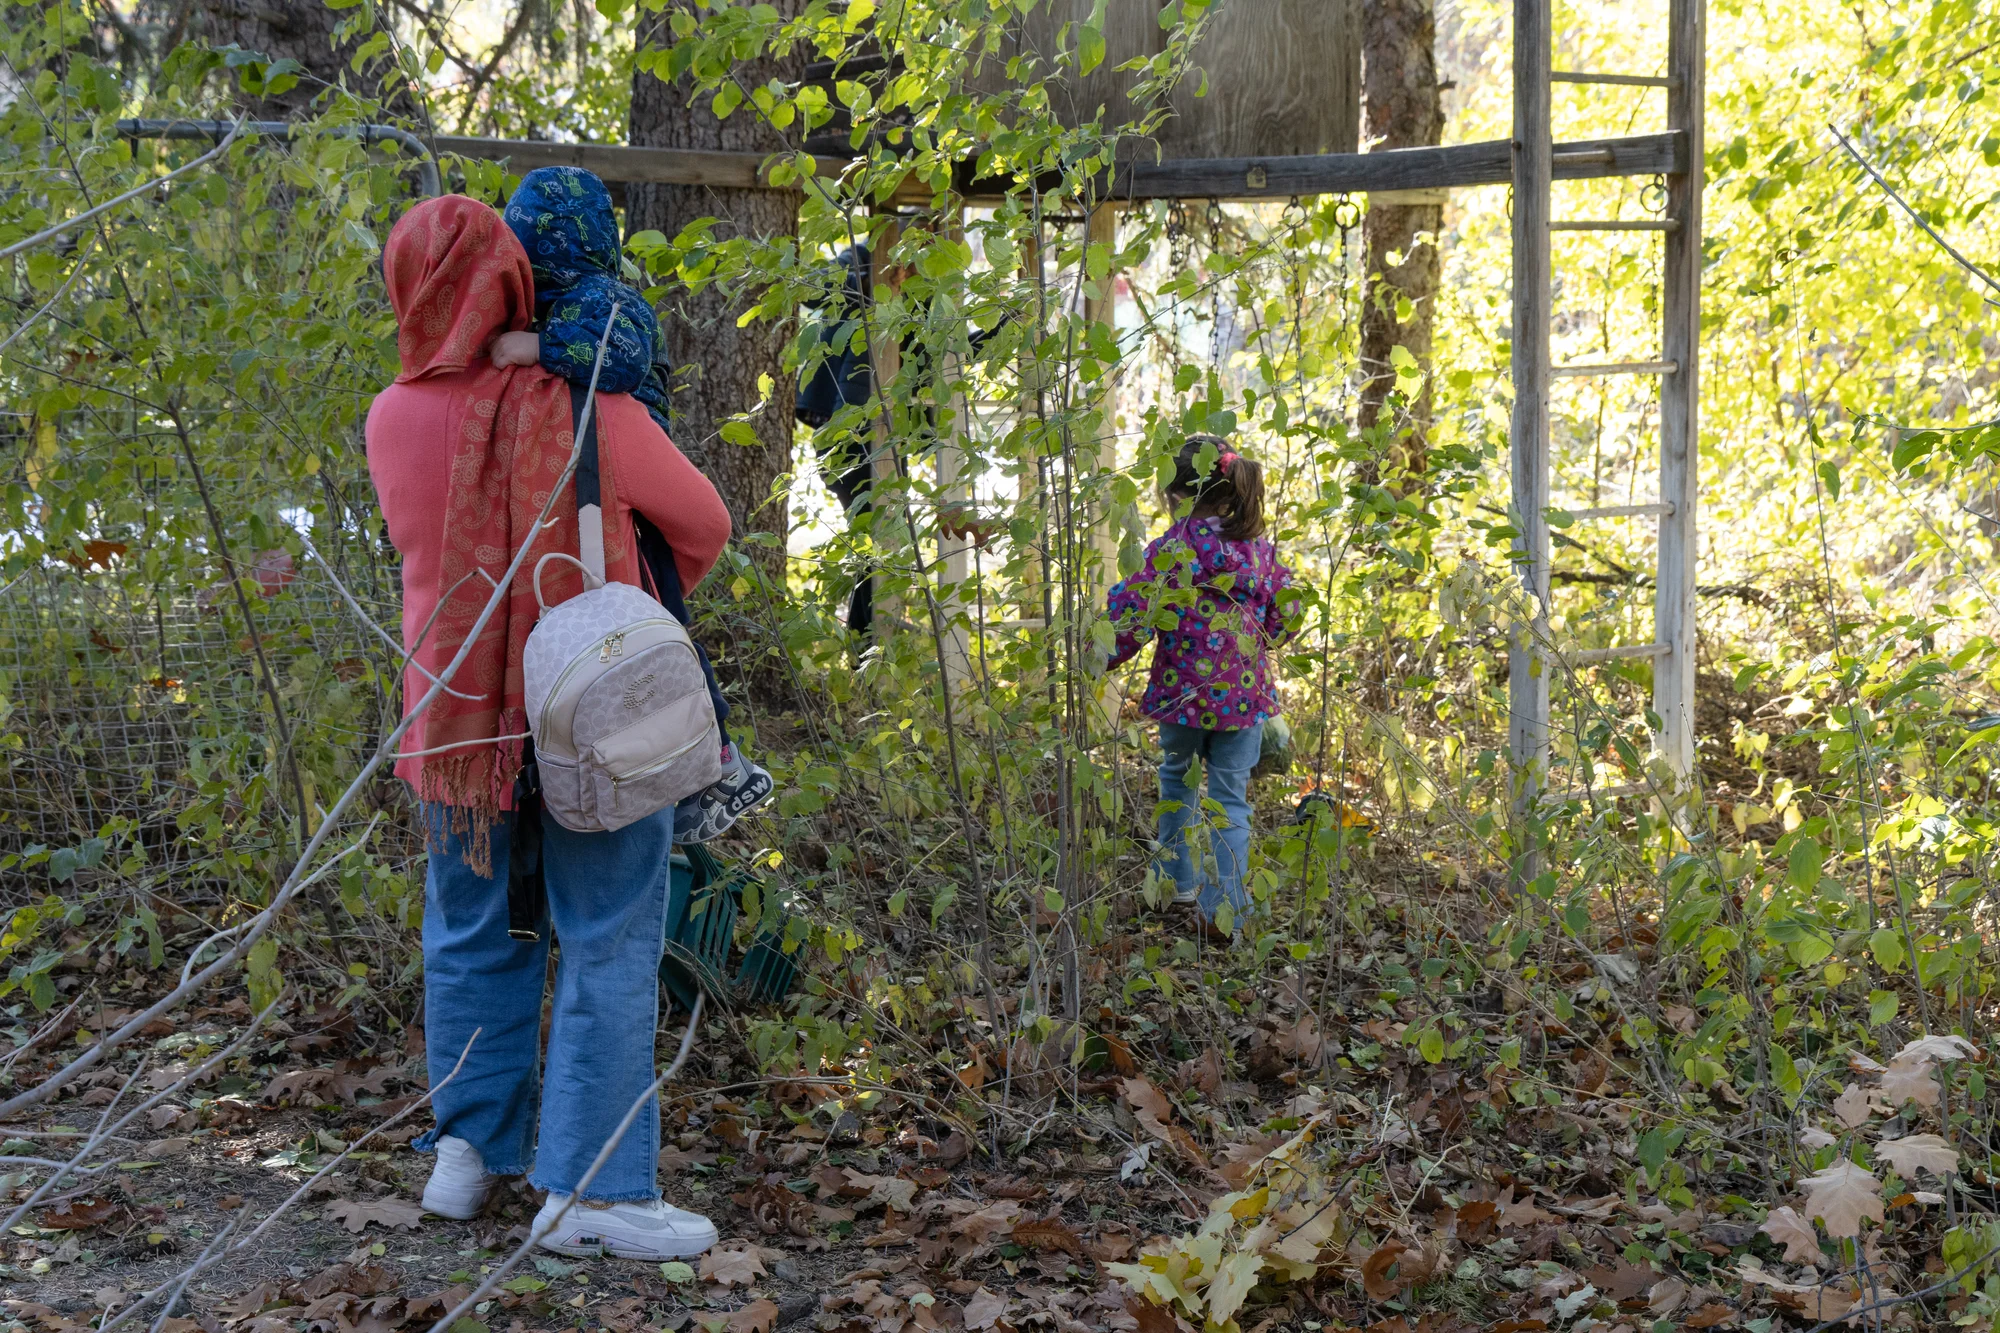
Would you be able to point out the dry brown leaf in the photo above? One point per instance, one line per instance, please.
(82, 1214)
(254, 1301)
(1621, 1280)
(1909, 1081)
(1946, 1046)
(1852, 1107)
(1795, 1233)
(1476, 1220)
(1047, 1233)
(1375, 1268)
(775, 1207)
(1918, 1152)
(984, 1309)
(1240, 1160)
(890, 1191)
(354, 1214)
(733, 1267)
(760, 1316)
(1666, 1296)
(1814, 1138)
(1841, 1196)
(1154, 1114)
(1203, 1073)
(1815, 1302)
(1522, 1212)
(1711, 1315)
(1302, 1040)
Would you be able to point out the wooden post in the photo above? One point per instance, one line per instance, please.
(1680, 395)
(954, 509)
(1527, 662)
(1102, 308)
(885, 355)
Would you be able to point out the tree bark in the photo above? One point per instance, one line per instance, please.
(295, 31)
(301, 30)
(1401, 107)
(716, 363)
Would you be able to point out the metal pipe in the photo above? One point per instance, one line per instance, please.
(427, 169)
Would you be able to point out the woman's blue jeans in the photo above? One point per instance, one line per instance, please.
(607, 895)
(1227, 757)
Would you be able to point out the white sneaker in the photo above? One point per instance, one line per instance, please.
(653, 1230)
(1187, 897)
(459, 1182)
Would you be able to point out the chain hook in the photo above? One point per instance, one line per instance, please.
(1653, 198)
(1346, 212)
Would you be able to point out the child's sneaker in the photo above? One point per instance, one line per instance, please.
(708, 813)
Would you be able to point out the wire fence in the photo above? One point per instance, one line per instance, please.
(134, 715)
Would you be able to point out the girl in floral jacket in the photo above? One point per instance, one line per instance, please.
(1209, 595)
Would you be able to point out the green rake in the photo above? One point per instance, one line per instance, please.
(703, 906)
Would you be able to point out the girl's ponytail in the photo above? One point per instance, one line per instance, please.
(1234, 486)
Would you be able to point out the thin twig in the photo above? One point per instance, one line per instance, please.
(1928, 230)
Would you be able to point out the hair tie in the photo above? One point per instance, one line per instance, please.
(1223, 464)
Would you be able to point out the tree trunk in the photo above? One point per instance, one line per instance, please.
(716, 363)
(1401, 108)
(301, 30)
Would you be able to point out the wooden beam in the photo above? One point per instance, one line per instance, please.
(1400, 170)
(616, 162)
(1488, 163)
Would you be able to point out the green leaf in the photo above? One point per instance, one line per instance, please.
(1803, 867)
(1882, 1006)
(1090, 41)
(1431, 1045)
(1887, 946)
(677, 1272)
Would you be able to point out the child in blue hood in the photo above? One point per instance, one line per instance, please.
(563, 218)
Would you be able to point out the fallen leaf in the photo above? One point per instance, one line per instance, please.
(161, 1149)
(1841, 1196)
(984, 1309)
(1239, 1161)
(760, 1316)
(1203, 1073)
(1622, 1280)
(1795, 1233)
(1475, 1220)
(732, 1268)
(1909, 1081)
(891, 1191)
(1815, 1302)
(1852, 1107)
(82, 1215)
(1375, 1268)
(1666, 1296)
(1815, 1138)
(1918, 1152)
(1232, 1283)
(355, 1214)
(1046, 1233)
(1154, 1113)
(775, 1207)
(1947, 1046)
(1522, 1212)
(1712, 1315)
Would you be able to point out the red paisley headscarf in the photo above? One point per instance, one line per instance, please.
(457, 279)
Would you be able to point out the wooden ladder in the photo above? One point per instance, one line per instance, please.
(1533, 652)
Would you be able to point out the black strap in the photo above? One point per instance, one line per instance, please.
(589, 490)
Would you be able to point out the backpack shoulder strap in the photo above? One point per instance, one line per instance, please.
(589, 489)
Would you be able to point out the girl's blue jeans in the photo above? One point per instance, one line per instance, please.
(607, 895)
(1227, 757)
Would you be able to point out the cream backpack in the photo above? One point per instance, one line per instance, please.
(619, 709)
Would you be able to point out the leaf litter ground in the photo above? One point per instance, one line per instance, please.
(1300, 1158)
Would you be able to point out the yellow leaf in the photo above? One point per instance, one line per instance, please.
(1232, 1285)
(1249, 1205)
